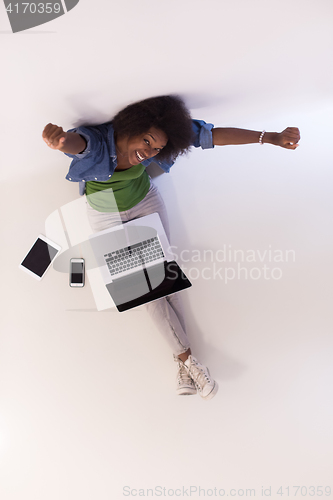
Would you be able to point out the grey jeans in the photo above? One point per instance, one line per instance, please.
(166, 312)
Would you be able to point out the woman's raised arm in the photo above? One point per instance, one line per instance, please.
(288, 138)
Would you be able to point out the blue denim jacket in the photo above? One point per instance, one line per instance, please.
(99, 160)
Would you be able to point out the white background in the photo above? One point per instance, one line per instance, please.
(88, 403)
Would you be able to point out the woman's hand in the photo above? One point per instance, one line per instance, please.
(54, 136)
(67, 142)
(288, 138)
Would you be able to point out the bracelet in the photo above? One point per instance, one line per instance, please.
(261, 137)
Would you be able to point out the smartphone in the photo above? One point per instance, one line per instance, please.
(40, 256)
(76, 272)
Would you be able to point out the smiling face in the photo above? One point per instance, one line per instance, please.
(144, 146)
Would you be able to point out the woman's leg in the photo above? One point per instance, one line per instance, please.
(166, 312)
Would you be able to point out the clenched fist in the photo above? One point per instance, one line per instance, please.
(288, 138)
(67, 142)
(54, 136)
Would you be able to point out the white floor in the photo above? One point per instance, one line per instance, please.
(87, 398)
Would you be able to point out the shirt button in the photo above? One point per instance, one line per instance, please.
(110, 175)
(83, 180)
(95, 178)
(70, 178)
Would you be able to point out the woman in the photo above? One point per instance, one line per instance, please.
(115, 155)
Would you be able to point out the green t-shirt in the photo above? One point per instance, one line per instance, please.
(124, 190)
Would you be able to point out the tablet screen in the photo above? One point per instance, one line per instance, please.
(39, 257)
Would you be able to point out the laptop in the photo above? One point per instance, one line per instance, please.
(136, 262)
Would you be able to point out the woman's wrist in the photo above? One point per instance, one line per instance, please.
(270, 138)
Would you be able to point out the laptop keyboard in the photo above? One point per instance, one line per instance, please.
(133, 256)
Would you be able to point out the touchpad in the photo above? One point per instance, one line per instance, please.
(128, 288)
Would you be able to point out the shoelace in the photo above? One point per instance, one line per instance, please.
(199, 375)
(183, 375)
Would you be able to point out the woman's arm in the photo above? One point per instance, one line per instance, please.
(288, 138)
(66, 142)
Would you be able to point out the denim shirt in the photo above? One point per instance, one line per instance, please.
(99, 160)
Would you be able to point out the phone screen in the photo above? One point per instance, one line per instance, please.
(76, 272)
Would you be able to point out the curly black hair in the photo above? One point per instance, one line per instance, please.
(167, 113)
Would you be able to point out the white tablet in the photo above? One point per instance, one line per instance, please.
(40, 256)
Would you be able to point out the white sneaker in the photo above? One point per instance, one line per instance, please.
(185, 385)
(207, 387)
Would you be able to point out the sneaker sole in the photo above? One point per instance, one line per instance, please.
(186, 392)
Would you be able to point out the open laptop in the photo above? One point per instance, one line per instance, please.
(136, 262)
